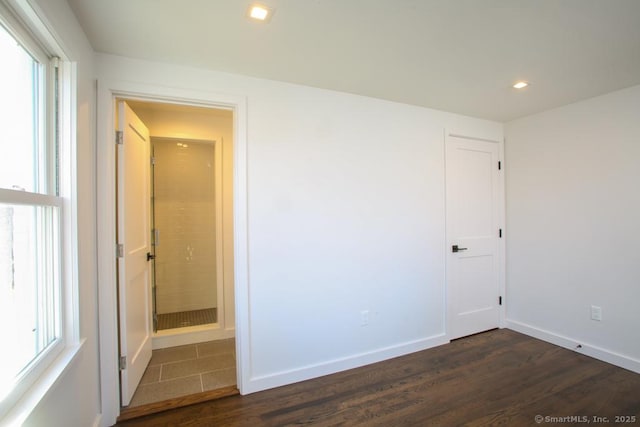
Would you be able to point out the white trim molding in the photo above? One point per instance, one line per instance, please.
(342, 364)
(19, 413)
(190, 335)
(576, 345)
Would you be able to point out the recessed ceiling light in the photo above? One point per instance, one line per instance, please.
(259, 12)
(521, 85)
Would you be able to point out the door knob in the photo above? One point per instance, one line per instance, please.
(455, 248)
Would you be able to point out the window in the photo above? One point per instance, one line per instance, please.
(33, 210)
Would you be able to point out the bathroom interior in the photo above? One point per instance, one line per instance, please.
(191, 210)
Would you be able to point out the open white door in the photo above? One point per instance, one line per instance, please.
(134, 276)
(472, 191)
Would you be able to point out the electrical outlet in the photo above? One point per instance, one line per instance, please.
(364, 317)
(596, 313)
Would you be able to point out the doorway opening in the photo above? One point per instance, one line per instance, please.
(186, 232)
(183, 342)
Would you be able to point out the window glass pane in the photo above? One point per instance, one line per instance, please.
(28, 286)
(20, 87)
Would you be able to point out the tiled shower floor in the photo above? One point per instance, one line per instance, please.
(187, 318)
(188, 369)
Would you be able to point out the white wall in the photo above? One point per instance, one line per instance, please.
(573, 225)
(74, 399)
(345, 213)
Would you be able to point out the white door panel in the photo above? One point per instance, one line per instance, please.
(133, 233)
(472, 213)
(479, 297)
(474, 205)
(475, 246)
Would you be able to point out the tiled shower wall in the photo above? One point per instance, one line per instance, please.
(184, 210)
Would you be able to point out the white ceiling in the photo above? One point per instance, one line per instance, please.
(453, 55)
(154, 107)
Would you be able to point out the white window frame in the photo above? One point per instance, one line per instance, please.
(29, 27)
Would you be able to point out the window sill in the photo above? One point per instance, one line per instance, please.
(19, 413)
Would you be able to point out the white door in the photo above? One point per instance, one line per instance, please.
(133, 267)
(472, 194)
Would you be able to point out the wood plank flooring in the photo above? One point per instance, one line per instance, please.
(176, 402)
(499, 377)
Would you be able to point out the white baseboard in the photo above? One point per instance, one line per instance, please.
(587, 349)
(189, 335)
(337, 365)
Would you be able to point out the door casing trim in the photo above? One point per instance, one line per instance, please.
(107, 92)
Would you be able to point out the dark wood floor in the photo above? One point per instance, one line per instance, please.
(499, 377)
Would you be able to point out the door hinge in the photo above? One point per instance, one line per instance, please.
(153, 160)
(119, 137)
(119, 250)
(499, 300)
(500, 233)
(499, 165)
(123, 363)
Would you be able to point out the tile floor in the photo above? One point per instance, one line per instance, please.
(187, 318)
(180, 371)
